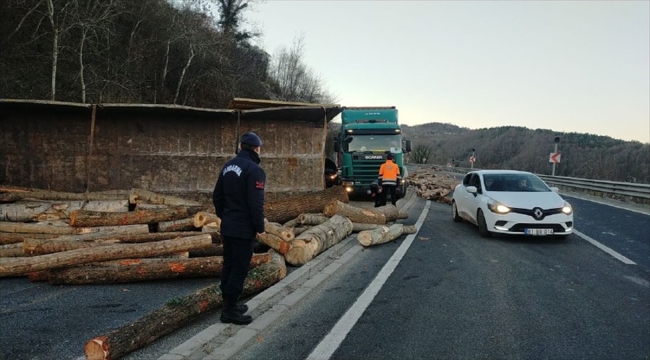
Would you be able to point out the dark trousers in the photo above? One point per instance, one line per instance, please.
(237, 254)
(384, 192)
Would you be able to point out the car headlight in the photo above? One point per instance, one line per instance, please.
(497, 207)
(567, 209)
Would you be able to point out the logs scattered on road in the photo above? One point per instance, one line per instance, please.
(21, 266)
(318, 239)
(134, 270)
(176, 313)
(384, 234)
(289, 207)
(432, 185)
(87, 218)
(355, 214)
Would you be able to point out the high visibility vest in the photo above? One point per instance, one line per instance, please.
(388, 173)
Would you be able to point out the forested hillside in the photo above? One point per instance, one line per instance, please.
(510, 147)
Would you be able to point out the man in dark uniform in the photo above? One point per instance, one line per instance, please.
(239, 201)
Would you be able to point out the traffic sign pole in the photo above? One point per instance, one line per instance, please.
(553, 172)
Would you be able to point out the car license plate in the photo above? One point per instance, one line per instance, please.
(538, 232)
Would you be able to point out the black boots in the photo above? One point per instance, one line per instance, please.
(234, 314)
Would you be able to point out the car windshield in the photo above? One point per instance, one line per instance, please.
(514, 183)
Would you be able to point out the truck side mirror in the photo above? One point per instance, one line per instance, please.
(337, 145)
(407, 145)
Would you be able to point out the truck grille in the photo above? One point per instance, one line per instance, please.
(365, 171)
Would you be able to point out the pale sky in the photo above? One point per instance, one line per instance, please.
(568, 66)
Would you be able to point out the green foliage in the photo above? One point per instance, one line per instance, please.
(421, 154)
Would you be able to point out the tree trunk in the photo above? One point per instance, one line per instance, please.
(391, 212)
(19, 266)
(177, 225)
(14, 238)
(82, 218)
(32, 211)
(65, 243)
(355, 214)
(301, 229)
(12, 250)
(280, 231)
(311, 219)
(63, 196)
(174, 314)
(319, 238)
(384, 234)
(212, 250)
(145, 269)
(29, 228)
(290, 207)
(137, 196)
(203, 218)
(275, 242)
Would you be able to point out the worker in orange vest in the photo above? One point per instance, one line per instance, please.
(387, 180)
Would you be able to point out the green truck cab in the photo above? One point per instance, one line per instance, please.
(368, 135)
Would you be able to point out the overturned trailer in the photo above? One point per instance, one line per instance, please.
(164, 148)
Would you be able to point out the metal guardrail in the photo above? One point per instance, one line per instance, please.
(634, 190)
(638, 192)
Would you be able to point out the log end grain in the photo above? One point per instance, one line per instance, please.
(97, 349)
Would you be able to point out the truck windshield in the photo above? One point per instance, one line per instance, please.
(375, 143)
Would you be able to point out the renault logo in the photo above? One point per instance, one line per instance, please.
(538, 213)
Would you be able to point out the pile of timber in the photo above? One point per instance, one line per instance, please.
(432, 185)
(137, 235)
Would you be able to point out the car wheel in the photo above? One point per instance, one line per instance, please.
(454, 213)
(482, 225)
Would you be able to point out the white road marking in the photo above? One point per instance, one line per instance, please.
(333, 340)
(605, 248)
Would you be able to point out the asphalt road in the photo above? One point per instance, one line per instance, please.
(453, 294)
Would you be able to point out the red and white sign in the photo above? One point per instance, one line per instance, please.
(554, 158)
(472, 159)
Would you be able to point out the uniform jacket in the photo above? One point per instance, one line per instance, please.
(238, 196)
(388, 173)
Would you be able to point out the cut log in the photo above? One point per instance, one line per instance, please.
(289, 207)
(177, 225)
(317, 239)
(291, 223)
(136, 270)
(357, 227)
(274, 242)
(31, 211)
(12, 250)
(117, 229)
(301, 229)
(203, 218)
(391, 212)
(137, 196)
(383, 234)
(19, 266)
(355, 214)
(35, 228)
(14, 238)
(63, 196)
(212, 250)
(176, 313)
(311, 219)
(67, 243)
(280, 231)
(85, 218)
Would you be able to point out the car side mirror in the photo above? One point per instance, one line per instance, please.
(555, 189)
(471, 189)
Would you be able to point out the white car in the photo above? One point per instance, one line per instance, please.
(511, 202)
